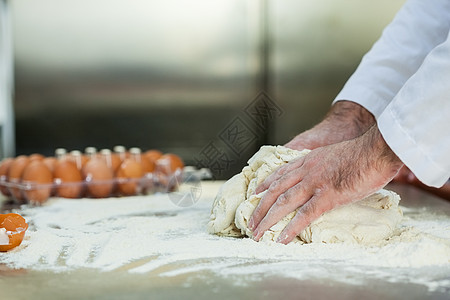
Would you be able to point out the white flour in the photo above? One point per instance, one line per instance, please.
(4, 238)
(150, 234)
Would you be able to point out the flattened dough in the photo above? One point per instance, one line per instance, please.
(368, 221)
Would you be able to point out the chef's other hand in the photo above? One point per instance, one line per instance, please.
(345, 120)
(405, 176)
(327, 177)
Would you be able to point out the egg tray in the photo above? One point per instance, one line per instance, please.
(150, 183)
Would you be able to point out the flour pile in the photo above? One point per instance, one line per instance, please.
(150, 235)
(369, 221)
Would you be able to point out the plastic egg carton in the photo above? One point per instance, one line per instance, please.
(157, 182)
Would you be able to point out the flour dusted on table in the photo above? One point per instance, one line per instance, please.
(149, 234)
(368, 221)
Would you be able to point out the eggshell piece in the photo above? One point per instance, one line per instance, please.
(69, 178)
(128, 175)
(99, 178)
(16, 226)
(40, 177)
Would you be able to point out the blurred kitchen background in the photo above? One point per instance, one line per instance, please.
(181, 76)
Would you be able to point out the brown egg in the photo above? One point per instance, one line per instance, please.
(69, 178)
(169, 163)
(148, 167)
(112, 160)
(50, 162)
(84, 159)
(4, 168)
(99, 178)
(153, 155)
(15, 175)
(36, 156)
(78, 158)
(90, 152)
(41, 178)
(116, 161)
(121, 151)
(147, 164)
(128, 176)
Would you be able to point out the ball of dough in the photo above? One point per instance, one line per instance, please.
(231, 194)
(367, 221)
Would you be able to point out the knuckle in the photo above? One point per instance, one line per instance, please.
(262, 207)
(298, 190)
(309, 211)
(281, 170)
(314, 209)
(282, 200)
(264, 185)
(274, 187)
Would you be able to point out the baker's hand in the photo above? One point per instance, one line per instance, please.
(325, 178)
(345, 120)
(405, 176)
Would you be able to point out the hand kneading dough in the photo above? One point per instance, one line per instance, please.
(368, 221)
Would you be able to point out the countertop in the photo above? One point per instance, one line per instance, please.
(185, 278)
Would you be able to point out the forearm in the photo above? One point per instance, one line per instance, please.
(345, 120)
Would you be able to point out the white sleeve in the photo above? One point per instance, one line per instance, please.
(416, 124)
(417, 28)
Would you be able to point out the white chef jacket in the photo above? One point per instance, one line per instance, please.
(404, 81)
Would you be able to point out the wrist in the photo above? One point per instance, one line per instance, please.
(387, 161)
(346, 120)
(367, 159)
(353, 118)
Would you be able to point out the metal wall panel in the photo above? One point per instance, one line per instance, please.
(315, 47)
(179, 75)
(170, 74)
